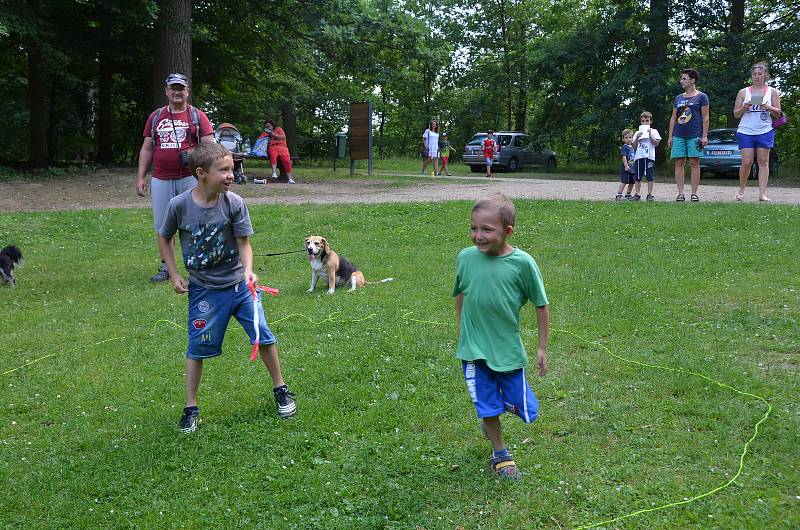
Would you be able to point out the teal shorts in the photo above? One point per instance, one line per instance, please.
(685, 148)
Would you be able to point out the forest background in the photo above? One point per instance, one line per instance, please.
(78, 78)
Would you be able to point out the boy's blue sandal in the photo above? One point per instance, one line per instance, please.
(505, 467)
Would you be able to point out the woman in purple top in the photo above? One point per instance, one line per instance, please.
(688, 131)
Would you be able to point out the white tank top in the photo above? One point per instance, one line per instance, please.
(756, 120)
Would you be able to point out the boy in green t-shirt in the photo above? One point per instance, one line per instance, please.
(493, 281)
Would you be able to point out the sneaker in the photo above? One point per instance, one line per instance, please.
(283, 398)
(291, 180)
(189, 420)
(637, 197)
(274, 176)
(628, 197)
(162, 275)
(618, 197)
(650, 198)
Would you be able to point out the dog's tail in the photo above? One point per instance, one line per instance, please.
(385, 280)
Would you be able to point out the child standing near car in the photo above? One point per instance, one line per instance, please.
(493, 281)
(645, 142)
(444, 154)
(489, 147)
(214, 226)
(626, 174)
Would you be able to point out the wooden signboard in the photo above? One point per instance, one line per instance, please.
(360, 134)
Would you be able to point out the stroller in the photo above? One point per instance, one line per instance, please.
(229, 137)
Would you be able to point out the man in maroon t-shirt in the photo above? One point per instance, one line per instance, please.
(168, 134)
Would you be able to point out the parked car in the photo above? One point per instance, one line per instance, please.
(722, 155)
(517, 150)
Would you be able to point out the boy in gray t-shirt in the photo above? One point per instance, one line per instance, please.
(214, 226)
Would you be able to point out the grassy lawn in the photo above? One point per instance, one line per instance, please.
(92, 377)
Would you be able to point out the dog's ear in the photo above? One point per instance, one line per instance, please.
(325, 245)
(306, 240)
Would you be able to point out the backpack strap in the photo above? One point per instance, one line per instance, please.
(156, 113)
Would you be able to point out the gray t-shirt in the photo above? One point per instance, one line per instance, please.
(208, 237)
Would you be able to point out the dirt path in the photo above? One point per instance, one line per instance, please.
(115, 189)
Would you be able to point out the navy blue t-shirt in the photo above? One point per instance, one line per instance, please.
(626, 151)
(689, 122)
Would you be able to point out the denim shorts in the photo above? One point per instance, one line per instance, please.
(494, 393)
(210, 310)
(752, 141)
(685, 148)
(488, 160)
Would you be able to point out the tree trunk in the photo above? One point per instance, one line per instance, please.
(38, 156)
(506, 63)
(172, 45)
(289, 127)
(736, 66)
(655, 84)
(105, 146)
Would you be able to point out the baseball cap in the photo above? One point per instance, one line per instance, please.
(176, 79)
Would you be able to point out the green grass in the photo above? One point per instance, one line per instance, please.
(88, 430)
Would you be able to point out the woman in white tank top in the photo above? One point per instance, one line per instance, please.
(756, 106)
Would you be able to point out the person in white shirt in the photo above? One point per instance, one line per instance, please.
(756, 105)
(645, 142)
(430, 145)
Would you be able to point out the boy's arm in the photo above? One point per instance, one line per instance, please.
(459, 303)
(543, 322)
(178, 282)
(704, 112)
(246, 255)
(625, 162)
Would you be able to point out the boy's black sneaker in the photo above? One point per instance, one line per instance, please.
(650, 198)
(637, 197)
(189, 420)
(628, 197)
(162, 275)
(284, 400)
(618, 197)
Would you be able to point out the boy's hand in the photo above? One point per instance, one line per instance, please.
(251, 278)
(179, 284)
(541, 361)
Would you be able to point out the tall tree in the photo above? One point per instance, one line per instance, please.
(172, 45)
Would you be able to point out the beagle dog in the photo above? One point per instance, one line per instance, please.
(331, 267)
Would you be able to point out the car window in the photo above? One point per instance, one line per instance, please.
(475, 142)
(503, 139)
(521, 142)
(720, 137)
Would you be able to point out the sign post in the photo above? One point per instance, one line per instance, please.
(360, 135)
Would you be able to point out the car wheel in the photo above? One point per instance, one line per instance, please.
(476, 169)
(513, 164)
(551, 162)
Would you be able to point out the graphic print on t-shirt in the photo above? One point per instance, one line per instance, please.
(171, 138)
(207, 248)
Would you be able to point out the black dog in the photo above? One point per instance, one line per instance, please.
(10, 257)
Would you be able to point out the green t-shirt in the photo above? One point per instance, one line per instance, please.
(444, 148)
(495, 288)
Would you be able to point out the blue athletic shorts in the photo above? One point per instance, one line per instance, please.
(210, 310)
(493, 392)
(488, 160)
(685, 148)
(644, 169)
(752, 141)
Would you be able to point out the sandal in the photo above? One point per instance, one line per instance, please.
(504, 467)
(695, 198)
(680, 198)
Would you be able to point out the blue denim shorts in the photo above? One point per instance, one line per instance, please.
(644, 169)
(752, 141)
(494, 393)
(210, 310)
